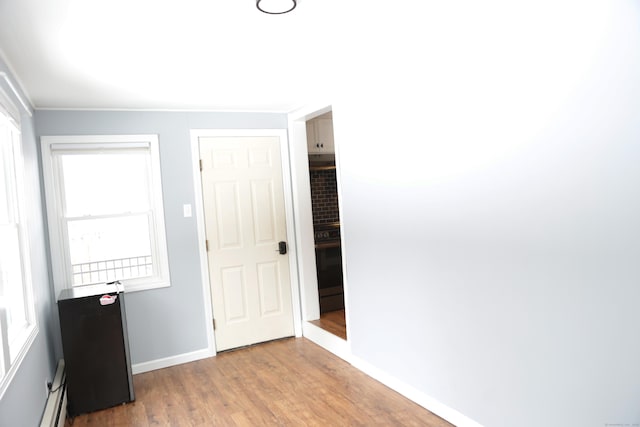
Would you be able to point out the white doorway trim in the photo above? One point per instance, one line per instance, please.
(309, 302)
(199, 213)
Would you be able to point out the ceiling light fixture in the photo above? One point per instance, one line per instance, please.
(276, 7)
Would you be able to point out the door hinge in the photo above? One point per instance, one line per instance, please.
(214, 324)
(200, 165)
(206, 245)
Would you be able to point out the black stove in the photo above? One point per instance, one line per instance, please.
(326, 233)
(329, 266)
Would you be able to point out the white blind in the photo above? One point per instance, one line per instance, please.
(92, 146)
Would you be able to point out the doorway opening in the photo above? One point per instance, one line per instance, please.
(326, 224)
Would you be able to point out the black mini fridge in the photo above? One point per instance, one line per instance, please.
(96, 348)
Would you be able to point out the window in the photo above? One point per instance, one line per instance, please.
(106, 221)
(17, 319)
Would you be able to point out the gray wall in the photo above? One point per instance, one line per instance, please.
(491, 209)
(24, 400)
(170, 321)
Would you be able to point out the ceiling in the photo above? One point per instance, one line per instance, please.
(161, 54)
(434, 57)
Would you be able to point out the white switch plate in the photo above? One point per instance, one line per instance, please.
(187, 211)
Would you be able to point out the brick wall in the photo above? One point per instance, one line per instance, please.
(324, 196)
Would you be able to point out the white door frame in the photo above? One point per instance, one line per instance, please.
(310, 304)
(199, 213)
(309, 301)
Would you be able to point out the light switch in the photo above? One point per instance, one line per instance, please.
(187, 211)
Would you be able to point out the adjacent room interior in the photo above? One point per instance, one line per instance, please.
(325, 207)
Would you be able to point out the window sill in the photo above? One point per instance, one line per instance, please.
(135, 287)
(31, 334)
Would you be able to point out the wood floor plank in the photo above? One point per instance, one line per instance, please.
(290, 382)
(333, 322)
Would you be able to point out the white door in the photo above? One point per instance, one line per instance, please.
(245, 221)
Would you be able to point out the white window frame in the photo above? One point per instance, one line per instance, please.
(12, 352)
(58, 239)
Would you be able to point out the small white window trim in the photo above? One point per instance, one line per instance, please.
(8, 109)
(13, 352)
(62, 277)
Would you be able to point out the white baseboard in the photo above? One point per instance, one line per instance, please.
(166, 362)
(342, 349)
(55, 411)
(328, 341)
(415, 395)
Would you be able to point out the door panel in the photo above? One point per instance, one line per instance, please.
(263, 212)
(245, 220)
(268, 279)
(228, 214)
(234, 290)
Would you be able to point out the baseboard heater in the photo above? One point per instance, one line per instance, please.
(55, 413)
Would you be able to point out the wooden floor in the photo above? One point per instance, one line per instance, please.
(290, 382)
(333, 322)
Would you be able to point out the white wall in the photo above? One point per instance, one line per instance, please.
(491, 206)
